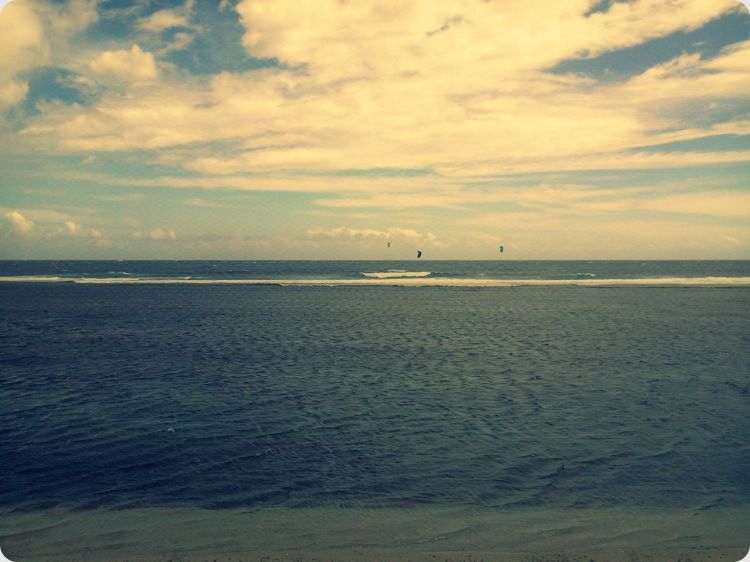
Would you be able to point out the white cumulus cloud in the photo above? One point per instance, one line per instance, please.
(72, 228)
(12, 92)
(163, 19)
(155, 234)
(132, 65)
(162, 234)
(346, 233)
(18, 223)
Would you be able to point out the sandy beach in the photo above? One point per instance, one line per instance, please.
(410, 534)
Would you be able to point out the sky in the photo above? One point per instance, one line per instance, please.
(323, 129)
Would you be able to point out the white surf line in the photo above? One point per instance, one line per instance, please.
(405, 282)
(395, 274)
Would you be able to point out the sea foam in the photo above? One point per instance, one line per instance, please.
(411, 279)
(396, 273)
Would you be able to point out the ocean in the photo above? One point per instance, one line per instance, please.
(420, 272)
(370, 410)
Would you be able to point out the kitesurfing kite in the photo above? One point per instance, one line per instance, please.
(502, 248)
(419, 253)
(389, 244)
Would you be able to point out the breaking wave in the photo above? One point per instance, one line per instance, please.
(405, 278)
(396, 273)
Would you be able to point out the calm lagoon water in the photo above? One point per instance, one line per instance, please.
(156, 421)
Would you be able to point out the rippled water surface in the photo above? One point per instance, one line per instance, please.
(677, 271)
(236, 396)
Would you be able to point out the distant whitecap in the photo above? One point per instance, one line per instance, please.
(395, 273)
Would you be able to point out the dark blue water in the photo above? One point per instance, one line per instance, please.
(125, 396)
(497, 269)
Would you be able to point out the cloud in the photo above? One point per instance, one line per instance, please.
(18, 223)
(34, 34)
(195, 202)
(51, 230)
(164, 19)
(712, 203)
(22, 38)
(133, 65)
(39, 215)
(72, 228)
(12, 92)
(453, 94)
(155, 234)
(344, 233)
(23, 45)
(161, 234)
(179, 42)
(502, 203)
(593, 161)
(549, 195)
(125, 197)
(284, 121)
(345, 39)
(100, 239)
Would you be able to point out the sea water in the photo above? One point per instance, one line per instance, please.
(314, 417)
(371, 272)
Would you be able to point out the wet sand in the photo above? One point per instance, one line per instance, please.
(449, 534)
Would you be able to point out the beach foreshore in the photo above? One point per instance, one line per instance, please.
(405, 534)
(714, 554)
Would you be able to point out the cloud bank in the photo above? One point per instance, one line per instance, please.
(453, 115)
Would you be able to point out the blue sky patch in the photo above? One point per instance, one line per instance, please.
(624, 63)
(55, 84)
(716, 143)
(600, 6)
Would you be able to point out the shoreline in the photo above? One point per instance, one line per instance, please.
(419, 533)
